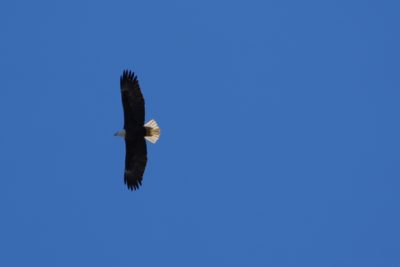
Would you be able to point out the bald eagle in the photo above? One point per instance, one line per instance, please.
(135, 131)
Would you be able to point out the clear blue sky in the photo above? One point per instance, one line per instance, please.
(280, 133)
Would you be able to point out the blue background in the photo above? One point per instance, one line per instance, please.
(280, 133)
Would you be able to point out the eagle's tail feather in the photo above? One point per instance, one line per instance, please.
(153, 131)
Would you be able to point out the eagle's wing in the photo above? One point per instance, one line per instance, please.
(132, 99)
(135, 162)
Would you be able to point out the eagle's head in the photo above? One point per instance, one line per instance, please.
(121, 133)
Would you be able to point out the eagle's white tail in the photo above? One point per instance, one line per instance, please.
(153, 131)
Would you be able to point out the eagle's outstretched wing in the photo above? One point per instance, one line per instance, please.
(135, 162)
(136, 150)
(132, 100)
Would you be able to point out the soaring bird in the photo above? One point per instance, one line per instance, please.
(135, 131)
